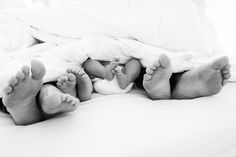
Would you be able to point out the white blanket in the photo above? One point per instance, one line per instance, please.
(163, 26)
(173, 25)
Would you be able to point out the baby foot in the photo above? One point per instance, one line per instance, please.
(122, 79)
(67, 84)
(203, 81)
(108, 72)
(84, 84)
(59, 103)
(20, 94)
(156, 80)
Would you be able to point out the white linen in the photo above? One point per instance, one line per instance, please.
(173, 25)
(57, 58)
(130, 125)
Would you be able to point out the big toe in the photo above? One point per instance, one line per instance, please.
(220, 63)
(71, 77)
(37, 69)
(164, 61)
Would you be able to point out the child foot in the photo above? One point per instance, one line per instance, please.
(21, 91)
(203, 81)
(108, 72)
(122, 79)
(59, 103)
(84, 84)
(67, 84)
(156, 80)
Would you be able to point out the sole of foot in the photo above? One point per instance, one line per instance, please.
(205, 80)
(84, 84)
(67, 84)
(21, 91)
(156, 80)
(59, 103)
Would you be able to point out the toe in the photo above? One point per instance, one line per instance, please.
(13, 81)
(84, 76)
(226, 71)
(69, 70)
(164, 61)
(220, 63)
(226, 76)
(37, 69)
(71, 77)
(20, 75)
(7, 89)
(228, 66)
(81, 72)
(65, 78)
(225, 82)
(149, 71)
(26, 70)
(156, 63)
(153, 67)
(147, 77)
(68, 98)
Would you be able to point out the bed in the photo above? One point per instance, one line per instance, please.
(133, 125)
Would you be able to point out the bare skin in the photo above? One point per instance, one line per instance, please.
(108, 71)
(128, 73)
(21, 91)
(53, 101)
(205, 80)
(95, 69)
(84, 84)
(156, 80)
(67, 84)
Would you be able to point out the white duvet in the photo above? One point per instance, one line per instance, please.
(163, 26)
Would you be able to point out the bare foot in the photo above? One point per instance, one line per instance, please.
(203, 81)
(67, 84)
(108, 72)
(122, 79)
(54, 101)
(156, 80)
(21, 91)
(84, 84)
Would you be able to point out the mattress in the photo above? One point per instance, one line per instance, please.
(130, 125)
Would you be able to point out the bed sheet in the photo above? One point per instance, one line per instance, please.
(131, 125)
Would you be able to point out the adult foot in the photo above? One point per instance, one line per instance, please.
(203, 81)
(21, 91)
(108, 72)
(67, 84)
(84, 84)
(58, 102)
(122, 79)
(156, 80)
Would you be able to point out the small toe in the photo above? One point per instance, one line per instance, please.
(20, 75)
(153, 67)
(13, 81)
(7, 89)
(149, 71)
(226, 71)
(26, 70)
(226, 76)
(147, 77)
(224, 82)
(156, 63)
